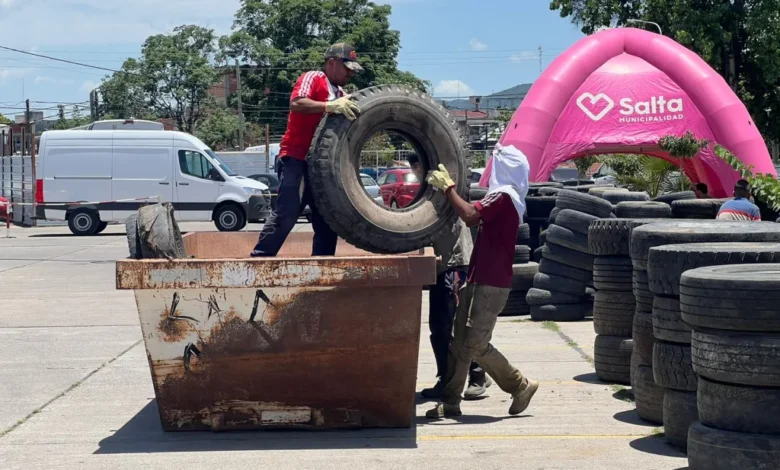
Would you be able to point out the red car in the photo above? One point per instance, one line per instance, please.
(398, 187)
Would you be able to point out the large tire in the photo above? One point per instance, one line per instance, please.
(539, 207)
(738, 358)
(83, 221)
(515, 305)
(613, 313)
(133, 240)
(476, 194)
(545, 297)
(334, 160)
(553, 215)
(159, 232)
(548, 266)
(696, 208)
(568, 199)
(713, 449)
(600, 190)
(229, 218)
(616, 197)
(643, 210)
(560, 312)
(523, 235)
(575, 221)
(678, 196)
(667, 233)
(609, 237)
(613, 273)
(739, 408)
(612, 359)
(523, 275)
(644, 298)
(667, 322)
(101, 226)
(642, 334)
(537, 257)
(679, 413)
(548, 191)
(648, 397)
(666, 264)
(555, 283)
(564, 255)
(672, 366)
(522, 254)
(738, 298)
(567, 238)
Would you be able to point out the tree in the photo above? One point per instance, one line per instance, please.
(583, 164)
(740, 39)
(4, 120)
(171, 78)
(219, 130)
(284, 38)
(75, 120)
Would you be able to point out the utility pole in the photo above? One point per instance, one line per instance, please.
(268, 146)
(240, 108)
(26, 122)
(540, 59)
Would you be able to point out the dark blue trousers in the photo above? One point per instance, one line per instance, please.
(443, 303)
(294, 195)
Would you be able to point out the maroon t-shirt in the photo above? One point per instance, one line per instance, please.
(494, 251)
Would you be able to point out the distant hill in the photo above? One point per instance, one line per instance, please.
(508, 99)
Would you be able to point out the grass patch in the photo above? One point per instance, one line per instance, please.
(572, 344)
(658, 432)
(520, 320)
(617, 388)
(551, 325)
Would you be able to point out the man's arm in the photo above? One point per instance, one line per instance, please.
(308, 106)
(466, 211)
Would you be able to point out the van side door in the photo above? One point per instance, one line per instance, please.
(142, 169)
(197, 186)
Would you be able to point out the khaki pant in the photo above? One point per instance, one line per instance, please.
(474, 322)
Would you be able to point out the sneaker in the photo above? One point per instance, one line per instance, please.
(522, 399)
(476, 389)
(437, 391)
(443, 410)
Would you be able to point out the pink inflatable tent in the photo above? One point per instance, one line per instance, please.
(620, 91)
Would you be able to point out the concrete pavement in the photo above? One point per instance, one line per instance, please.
(75, 389)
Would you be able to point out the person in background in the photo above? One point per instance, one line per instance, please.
(315, 93)
(454, 248)
(740, 208)
(701, 191)
(488, 282)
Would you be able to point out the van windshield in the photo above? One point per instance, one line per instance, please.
(228, 171)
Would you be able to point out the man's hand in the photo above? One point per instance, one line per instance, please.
(344, 106)
(440, 179)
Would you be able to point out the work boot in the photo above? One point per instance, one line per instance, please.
(443, 410)
(477, 388)
(437, 391)
(523, 398)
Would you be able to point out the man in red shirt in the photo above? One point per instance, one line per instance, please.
(315, 93)
(488, 283)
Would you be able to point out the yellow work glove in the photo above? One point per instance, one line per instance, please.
(440, 179)
(344, 106)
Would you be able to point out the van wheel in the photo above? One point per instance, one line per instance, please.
(229, 218)
(101, 226)
(82, 222)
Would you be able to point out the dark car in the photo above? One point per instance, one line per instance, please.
(272, 181)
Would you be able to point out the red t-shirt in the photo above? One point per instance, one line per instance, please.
(494, 251)
(301, 127)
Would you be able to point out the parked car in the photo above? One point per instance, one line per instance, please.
(371, 188)
(399, 187)
(604, 174)
(272, 181)
(476, 174)
(562, 174)
(112, 168)
(373, 172)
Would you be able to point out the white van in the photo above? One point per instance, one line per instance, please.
(105, 167)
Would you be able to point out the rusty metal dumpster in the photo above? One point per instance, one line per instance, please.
(291, 342)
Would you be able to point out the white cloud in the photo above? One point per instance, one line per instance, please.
(523, 56)
(452, 88)
(12, 73)
(477, 45)
(88, 86)
(50, 80)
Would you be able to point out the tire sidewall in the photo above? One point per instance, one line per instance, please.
(229, 218)
(83, 222)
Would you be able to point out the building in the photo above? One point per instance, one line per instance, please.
(505, 99)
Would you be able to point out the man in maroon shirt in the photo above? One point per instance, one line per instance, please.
(488, 283)
(315, 93)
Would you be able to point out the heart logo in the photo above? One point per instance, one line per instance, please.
(593, 101)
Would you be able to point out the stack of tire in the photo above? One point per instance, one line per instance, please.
(696, 208)
(539, 203)
(665, 267)
(671, 361)
(566, 266)
(523, 271)
(735, 343)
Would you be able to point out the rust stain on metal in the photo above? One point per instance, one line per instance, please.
(174, 327)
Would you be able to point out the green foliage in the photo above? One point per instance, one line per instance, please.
(5, 120)
(171, 79)
(644, 173)
(685, 147)
(742, 31)
(219, 129)
(763, 186)
(285, 38)
(583, 164)
(76, 119)
(505, 115)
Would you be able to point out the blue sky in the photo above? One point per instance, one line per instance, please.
(462, 46)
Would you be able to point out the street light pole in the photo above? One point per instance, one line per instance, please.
(632, 21)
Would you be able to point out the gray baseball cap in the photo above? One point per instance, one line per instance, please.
(346, 53)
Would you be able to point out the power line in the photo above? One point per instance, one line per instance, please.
(62, 60)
